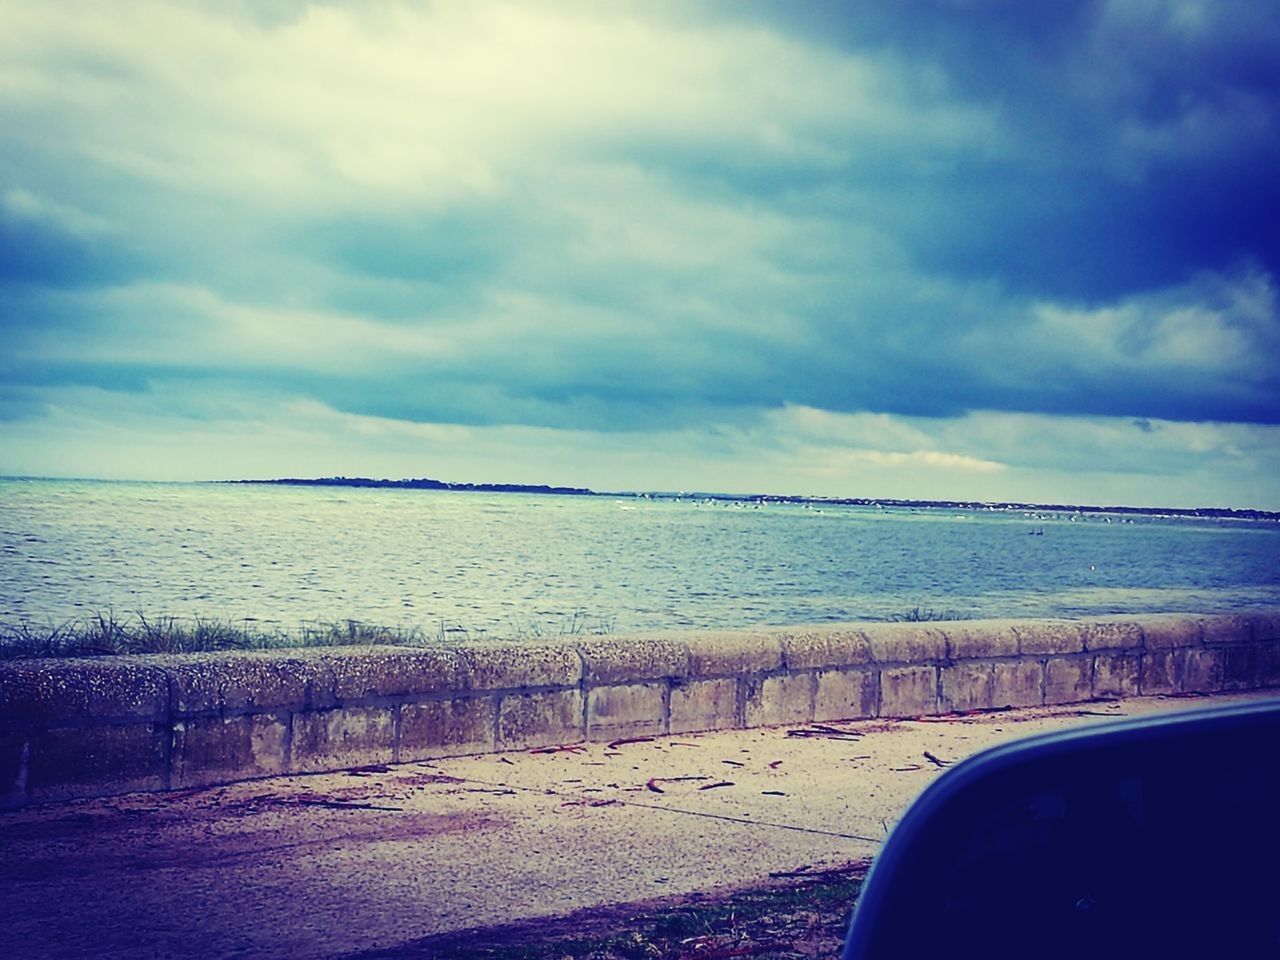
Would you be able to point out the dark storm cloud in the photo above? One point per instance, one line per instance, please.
(1144, 134)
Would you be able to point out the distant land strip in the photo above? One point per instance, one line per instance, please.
(1207, 513)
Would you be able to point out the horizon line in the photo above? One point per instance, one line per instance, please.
(425, 483)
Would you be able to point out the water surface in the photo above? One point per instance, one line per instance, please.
(519, 564)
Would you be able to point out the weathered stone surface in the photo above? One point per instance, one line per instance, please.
(807, 647)
(844, 695)
(629, 660)
(540, 719)
(1112, 634)
(1068, 680)
(1164, 631)
(1227, 628)
(717, 654)
(781, 699)
(68, 762)
(394, 672)
(1162, 671)
(976, 639)
(632, 710)
(1017, 684)
(345, 737)
(248, 682)
(967, 686)
(56, 691)
(908, 691)
(510, 666)
(1269, 664)
(704, 705)
(1037, 637)
(446, 728)
(905, 642)
(1116, 675)
(221, 749)
(1240, 667)
(1202, 671)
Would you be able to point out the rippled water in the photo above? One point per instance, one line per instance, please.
(521, 564)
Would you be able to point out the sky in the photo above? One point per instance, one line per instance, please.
(935, 249)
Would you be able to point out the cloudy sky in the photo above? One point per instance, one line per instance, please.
(927, 248)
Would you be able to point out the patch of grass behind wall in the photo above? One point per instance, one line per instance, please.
(105, 634)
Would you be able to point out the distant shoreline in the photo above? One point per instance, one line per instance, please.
(1204, 513)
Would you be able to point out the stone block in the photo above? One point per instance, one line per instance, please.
(908, 691)
(511, 666)
(844, 695)
(1112, 634)
(1240, 667)
(809, 647)
(342, 738)
(394, 672)
(1227, 628)
(704, 705)
(967, 686)
(1162, 671)
(222, 749)
(978, 639)
(98, 761)
(248, 682)
(1037, 637)
(1116, 675)
(54, 692)
(632, 660)
(1269, 664)
(634, 710)
(1266, 626)
(906, 642)
(540, 719)
(446, 728)
(731, 654)
(1202, 670)
(782, 699)
(1017, 683)
(1068, 680)
(1166, 631)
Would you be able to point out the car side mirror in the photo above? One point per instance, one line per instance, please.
(1153, 837)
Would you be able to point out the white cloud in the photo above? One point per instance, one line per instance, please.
(1215, 323)
(343, 107)
(24, 205)
(168, 325)
(879, 431)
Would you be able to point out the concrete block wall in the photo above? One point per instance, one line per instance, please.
(107, 725)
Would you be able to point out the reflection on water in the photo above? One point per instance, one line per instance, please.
(505, 563)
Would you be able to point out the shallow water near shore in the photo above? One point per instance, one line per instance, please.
(461, 564)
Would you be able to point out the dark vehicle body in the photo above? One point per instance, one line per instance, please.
(1145, 838)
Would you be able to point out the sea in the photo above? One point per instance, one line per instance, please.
(458, 564)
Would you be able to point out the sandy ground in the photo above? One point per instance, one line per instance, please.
(336, 864)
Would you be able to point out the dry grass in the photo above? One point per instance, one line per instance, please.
(105, 634)
(804, 915)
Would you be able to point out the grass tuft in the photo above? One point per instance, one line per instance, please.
(926, 614)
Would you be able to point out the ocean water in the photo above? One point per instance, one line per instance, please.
(474, 564)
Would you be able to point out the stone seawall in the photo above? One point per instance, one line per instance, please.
(100, 726)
